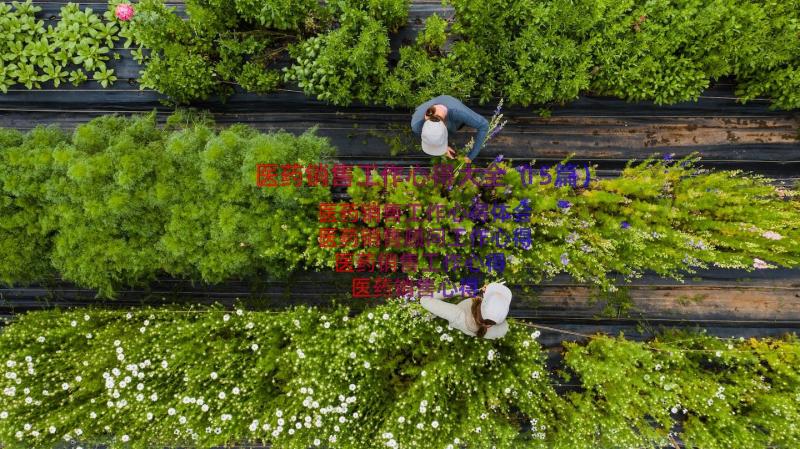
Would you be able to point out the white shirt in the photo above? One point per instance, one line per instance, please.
(460, 316)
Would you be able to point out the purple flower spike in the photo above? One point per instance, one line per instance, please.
(625, 225)
(564, 204)
(499, 158)
(668, 157)
(498, 108)
(495, 132)
(564, 259)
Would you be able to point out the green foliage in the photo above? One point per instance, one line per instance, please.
(25, 161)
(218, 45)
(345, 65)
(434, 35)
(32, 54)
(392, 13)
(123, 200)
(680, 219)
(277, 14)
(391, 377)
(420, 76)
(721, 392)
(768, 50)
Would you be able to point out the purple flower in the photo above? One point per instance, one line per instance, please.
(498, 108)
(499, 158)
(668, 157)
(564, 204)
(564, 259)
(572, 238)
(625, 225)
(496, 131)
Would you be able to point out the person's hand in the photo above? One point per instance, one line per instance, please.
(451, 153)
(467, 160)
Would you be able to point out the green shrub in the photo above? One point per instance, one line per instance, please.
(392, 13)
(345, 65)
(26, 176)
(420, 76)
(679, 219)
(434, 36)
(110, 221)
(391, 377)
(277, 14)
(768, 53)
(79, 43)
(124, 200)
(218, 45)
(548, 51)
(661, 51)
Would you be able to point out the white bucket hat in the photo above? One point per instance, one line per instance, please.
(496, 300)
(434, 138)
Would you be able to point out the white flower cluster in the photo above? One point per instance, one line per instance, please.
(719, 394)
(390, 441)
(538, 431)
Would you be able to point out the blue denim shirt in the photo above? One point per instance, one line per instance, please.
(458, 115)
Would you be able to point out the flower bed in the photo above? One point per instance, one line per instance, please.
(549, 51)
(660, 215)
(391, 377)
(122, 200)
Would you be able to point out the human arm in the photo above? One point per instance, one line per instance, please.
(416, 125)
(442, 309)
(482, 125)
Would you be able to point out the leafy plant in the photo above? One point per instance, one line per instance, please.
(434, 36)
(392, 13)
(31, 54)
(419, 76)
(218, 45)
(344, 65)
(658, 216)
(391, 376)
(122, 205)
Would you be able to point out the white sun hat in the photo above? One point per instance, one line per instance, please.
(434, 138)
(495, 302)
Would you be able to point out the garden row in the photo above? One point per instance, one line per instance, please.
(391, 377)
(122, 200)
(339, 52)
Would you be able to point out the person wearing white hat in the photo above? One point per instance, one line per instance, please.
(481, 316)
(436, 119)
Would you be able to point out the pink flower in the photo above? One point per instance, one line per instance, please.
(124, 11)
(771, 235)
(760, 264)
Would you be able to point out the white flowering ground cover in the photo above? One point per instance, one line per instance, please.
(389, 377)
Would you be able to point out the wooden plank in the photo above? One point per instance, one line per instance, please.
(763, 145)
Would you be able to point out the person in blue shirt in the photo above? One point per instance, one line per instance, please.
(439, 117)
